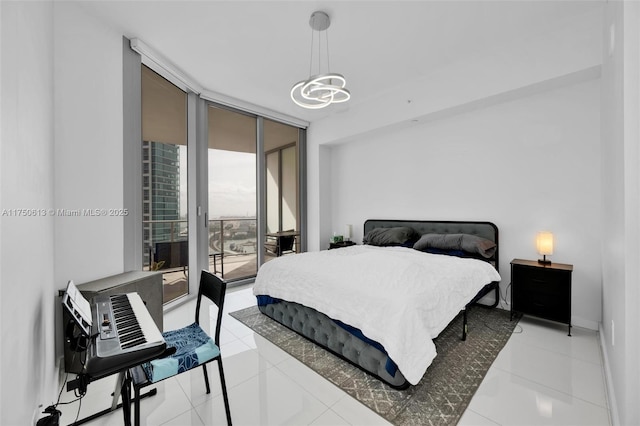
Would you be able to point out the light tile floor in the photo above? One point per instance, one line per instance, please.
(541, 377)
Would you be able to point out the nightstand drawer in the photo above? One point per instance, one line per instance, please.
(543, 299)
(534, 276)
(545, 280)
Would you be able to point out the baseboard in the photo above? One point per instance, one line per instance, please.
(575, 321)
(611, 396)
(584, 323)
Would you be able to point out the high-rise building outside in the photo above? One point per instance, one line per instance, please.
(160, 194)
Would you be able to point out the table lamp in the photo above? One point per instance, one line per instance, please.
(347, 232)
(544, 245)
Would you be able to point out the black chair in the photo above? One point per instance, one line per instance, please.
(280, 244)
(172, 254)
(186, 340)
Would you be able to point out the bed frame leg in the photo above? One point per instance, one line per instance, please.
(497, 296)
(464, 324)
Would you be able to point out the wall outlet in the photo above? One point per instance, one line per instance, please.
(613, 333)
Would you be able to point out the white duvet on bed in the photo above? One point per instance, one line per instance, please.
(400, 297)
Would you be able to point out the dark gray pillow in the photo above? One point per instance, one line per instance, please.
(439, 241)
(390, 236)
(466, 242)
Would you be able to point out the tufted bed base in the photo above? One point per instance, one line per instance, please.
(324, 332)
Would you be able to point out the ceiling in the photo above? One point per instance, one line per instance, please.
(256, 50)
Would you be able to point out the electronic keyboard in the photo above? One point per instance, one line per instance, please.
(124, 333)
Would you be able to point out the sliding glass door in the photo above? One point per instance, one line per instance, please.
(232, 193)
(281, 148)
(242, 150)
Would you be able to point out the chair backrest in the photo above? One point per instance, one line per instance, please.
(214, 288)
(173, 254)
(286, 243)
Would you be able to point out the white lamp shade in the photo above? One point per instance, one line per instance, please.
(544, 243)
(347, 232)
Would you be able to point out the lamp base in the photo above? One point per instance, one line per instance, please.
(544, 260)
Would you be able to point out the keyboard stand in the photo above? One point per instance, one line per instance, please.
(117, 391)
(123, 381)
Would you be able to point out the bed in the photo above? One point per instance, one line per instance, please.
(380, 305)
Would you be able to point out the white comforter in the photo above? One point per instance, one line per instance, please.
(397, 296)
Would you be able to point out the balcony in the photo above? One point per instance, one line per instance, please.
(232, 251)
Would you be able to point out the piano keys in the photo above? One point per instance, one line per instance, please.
(125, 335)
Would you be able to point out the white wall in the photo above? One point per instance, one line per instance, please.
(88, 149)
(621, 209)
(527, 165)
(318, 195)
(61, 149)
(27, 285)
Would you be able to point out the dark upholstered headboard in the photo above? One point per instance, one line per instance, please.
(482, 229)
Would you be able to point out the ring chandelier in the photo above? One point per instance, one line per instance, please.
(322, 89)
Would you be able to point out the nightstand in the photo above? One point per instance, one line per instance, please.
(341, 244)
(541, 290)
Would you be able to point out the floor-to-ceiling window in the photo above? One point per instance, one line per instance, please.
(232, 193)
(246, 167)
(164, 182)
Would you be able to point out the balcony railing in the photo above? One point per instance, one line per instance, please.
(232, 244)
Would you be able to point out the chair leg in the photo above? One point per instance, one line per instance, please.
(136, 403)
(206, 377)
(224, 392)
(126, 400)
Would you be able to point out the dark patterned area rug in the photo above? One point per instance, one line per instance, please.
(443, 393)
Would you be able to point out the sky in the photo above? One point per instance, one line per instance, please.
(232, 183)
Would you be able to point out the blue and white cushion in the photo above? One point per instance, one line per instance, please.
(193, 348)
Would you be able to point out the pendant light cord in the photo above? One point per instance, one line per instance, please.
(311, 56)
(327, 40)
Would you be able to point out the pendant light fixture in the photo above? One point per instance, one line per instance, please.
(322, 89)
